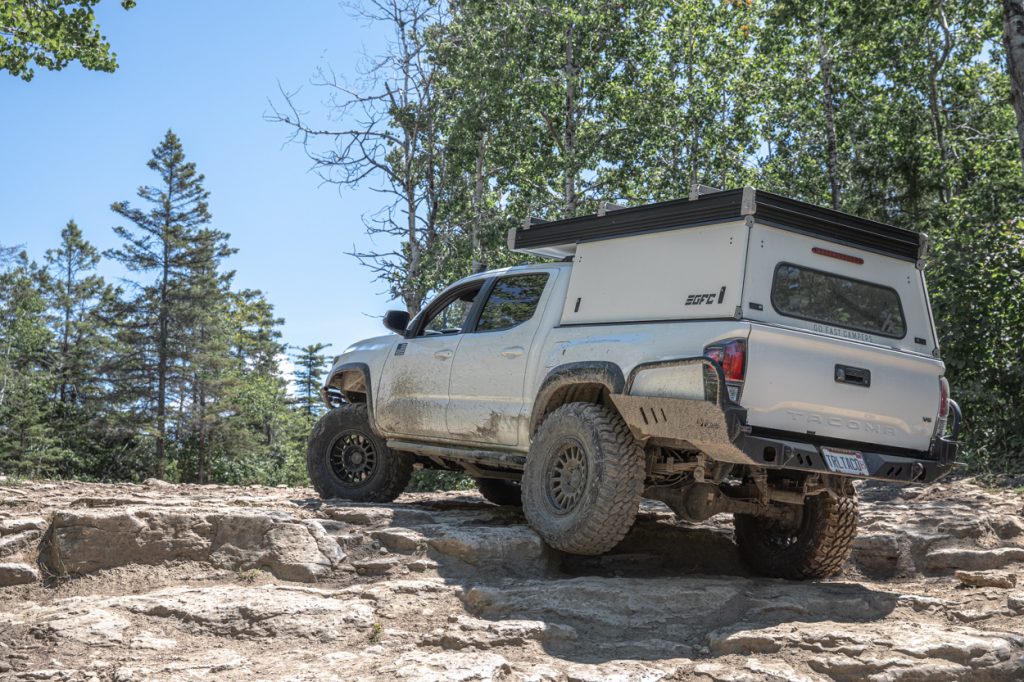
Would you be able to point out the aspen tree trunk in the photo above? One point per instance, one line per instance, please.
(935, 104)
(1013, 41)
(828, 104)
(478, 209)
(571, 201)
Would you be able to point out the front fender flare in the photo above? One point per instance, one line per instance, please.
(364, 370)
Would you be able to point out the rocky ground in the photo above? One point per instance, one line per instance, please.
(130, 582)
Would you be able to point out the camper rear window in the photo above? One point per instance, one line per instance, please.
(827, 298)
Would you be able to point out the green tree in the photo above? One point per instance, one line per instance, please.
(80, 307)
(309, 378)
(27, 443)
(566, 58)
(172, 242)
(260, 400)
(481, 131)
(205, 316)
(51, 35)
(684, 100)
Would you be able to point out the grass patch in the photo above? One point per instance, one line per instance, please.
(433, 480)
(249, 576)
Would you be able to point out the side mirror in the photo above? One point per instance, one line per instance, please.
(396, 320)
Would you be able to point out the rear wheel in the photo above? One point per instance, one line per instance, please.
(583, 479)
(500, 491)
(816, 548)
(346, 459)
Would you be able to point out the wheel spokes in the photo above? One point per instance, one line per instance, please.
(353, 458)
(567, 477)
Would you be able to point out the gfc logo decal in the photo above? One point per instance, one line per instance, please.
(706, 299)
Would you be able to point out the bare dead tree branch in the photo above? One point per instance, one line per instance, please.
(384, 130)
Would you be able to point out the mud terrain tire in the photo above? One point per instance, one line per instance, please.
(583, 480)
(346, 459)
(817, 549)
(501, 492)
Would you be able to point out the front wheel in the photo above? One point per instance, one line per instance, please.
(346, 459)
(816, 548)
(583, 480)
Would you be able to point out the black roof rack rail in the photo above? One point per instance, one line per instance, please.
(558, 238)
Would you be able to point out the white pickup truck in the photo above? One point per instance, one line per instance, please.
(738, 352)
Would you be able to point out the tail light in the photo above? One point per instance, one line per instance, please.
(940, 423)
(732, 356)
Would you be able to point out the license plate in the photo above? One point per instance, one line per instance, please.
(845, 461)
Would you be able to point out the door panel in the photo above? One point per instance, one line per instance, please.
(413, 394)
(488, 374)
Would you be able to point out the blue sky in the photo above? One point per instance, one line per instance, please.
(72, 142)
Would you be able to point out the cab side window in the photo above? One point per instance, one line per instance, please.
(513, 301)
(451, 318)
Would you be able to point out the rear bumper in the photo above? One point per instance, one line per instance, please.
(717, 427)
(776, 453)
(793, 451)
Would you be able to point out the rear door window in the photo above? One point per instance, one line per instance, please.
(831, 299)
(513, 301)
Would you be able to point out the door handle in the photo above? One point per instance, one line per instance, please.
(513, 352)
(444, 354)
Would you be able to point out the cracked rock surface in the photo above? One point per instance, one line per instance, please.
(166, 582)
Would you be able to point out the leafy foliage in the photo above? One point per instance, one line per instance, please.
(51, 35)
(432, 480)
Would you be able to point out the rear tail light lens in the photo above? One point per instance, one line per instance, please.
(732, 356)
(735, 363)
(940, 423)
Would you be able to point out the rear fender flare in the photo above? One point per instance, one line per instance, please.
(608, 374)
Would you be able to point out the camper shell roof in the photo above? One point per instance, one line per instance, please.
(558, 239)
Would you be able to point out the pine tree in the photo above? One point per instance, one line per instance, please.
(169, 240)
(80, 306)
(263, 438)
(206, 320)
(309, 376)
(27, 445)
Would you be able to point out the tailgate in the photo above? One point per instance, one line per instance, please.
(806, 383)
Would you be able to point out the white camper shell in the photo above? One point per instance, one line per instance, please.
(821, 293)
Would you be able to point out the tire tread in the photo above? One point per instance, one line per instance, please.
(397, 465)
(618, 497)
(825, 542)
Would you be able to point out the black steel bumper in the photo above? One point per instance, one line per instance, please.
(792, 451)
(779, 451)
